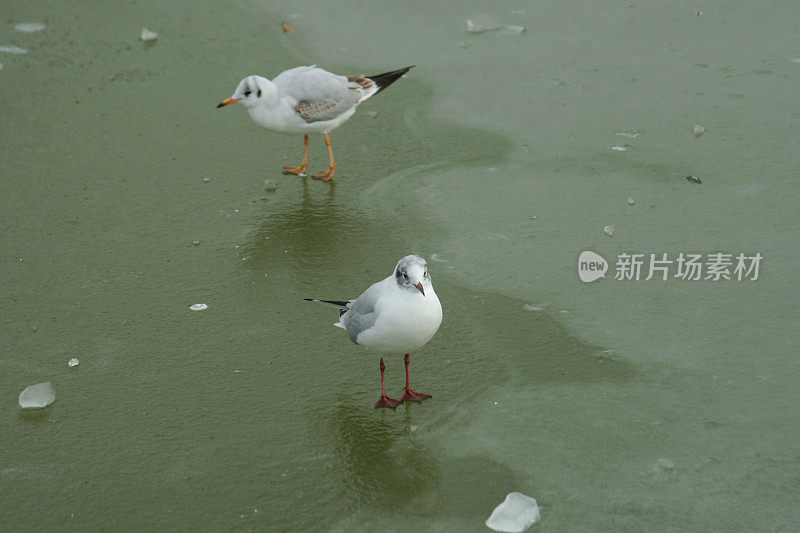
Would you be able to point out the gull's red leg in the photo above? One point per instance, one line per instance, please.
(301, 170)
(328, 174)
(410, 395)
(385, 401)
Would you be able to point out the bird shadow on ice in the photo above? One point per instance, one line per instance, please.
(380, 457)
(492, 340)
(306, 230)
(389, 471)
(406, 132)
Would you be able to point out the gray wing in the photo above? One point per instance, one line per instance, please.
(320, 94)
(361, 314)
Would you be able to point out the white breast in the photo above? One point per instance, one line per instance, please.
(406, 326)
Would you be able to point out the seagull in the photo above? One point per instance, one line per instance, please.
(398, 314)
(307, 100)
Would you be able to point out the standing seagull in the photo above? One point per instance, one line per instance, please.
(307, 100)
(399, 314)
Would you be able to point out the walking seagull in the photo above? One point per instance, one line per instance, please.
(307, 100)
(399, 314)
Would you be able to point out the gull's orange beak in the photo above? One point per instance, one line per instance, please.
(228, 101)
(419, 286)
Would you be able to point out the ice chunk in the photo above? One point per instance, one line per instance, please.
(698, 130)
(609, 230)
(484, 23)
(13, 50)
(618, 148)
(148, 35)
(512, 29)
(531, 307)
(37, 396)
(665, 464)
(473, 27)
(73, 362)
(29, 27)
(372, 114)
(632, 134)
(270, 185)
(517, 513)
(206, 180)
(631, 201)
(198, 307)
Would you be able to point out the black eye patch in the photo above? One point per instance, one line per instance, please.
(247, 92)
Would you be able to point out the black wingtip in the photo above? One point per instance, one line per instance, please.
(387, 78)
(337, 303)
(220, 105)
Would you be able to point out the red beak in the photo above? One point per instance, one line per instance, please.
(419, 286)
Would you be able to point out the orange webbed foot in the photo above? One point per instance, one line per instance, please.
(297, 171)
(325, 176)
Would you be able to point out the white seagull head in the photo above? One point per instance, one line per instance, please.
(411, 273)
(251, 92)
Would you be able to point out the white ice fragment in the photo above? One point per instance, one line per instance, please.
(270, 185)
(480, 27)
(698, 130)
(531, 307)
(517, 513)
(436, 257)
(632, 134)
(372, 114)
(73, 362)
(198, 307)
(609, 230)
(148, 35)
(206, 180)
(29, 27)
(665, 464)
(414, 427)
(474, 28)
(631, 201)
(195, 243)
(13, 50)
(618, 148)
(37, 396)
(512, 29)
